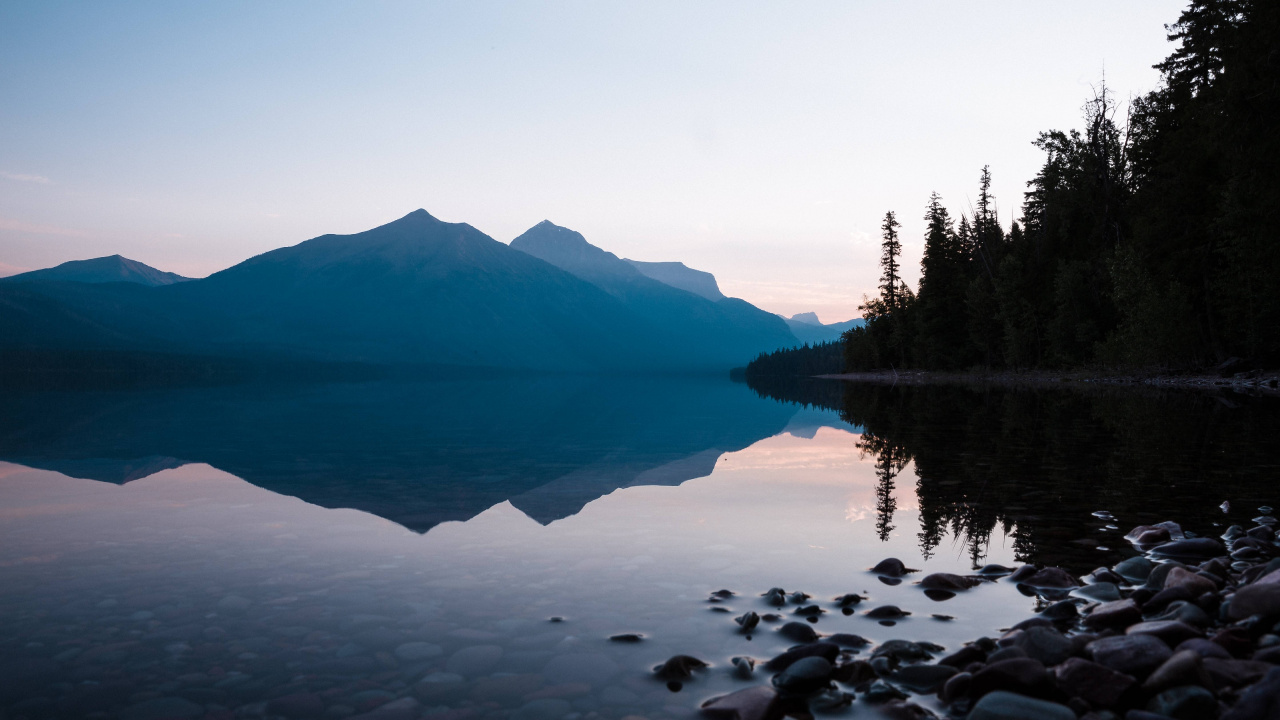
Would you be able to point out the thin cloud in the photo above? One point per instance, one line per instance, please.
(38, 179)
(12, 225)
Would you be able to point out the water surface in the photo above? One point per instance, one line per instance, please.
(403, 548)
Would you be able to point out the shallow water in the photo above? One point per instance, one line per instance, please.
(197, 553)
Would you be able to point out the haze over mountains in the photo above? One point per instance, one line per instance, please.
(415, 292)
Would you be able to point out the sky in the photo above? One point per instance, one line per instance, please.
(762, 142)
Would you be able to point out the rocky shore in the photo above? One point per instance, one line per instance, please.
(1251, 383)
(1188, 628)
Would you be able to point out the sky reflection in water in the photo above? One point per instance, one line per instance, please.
(204, 587)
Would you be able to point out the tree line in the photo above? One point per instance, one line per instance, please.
(1147, 239)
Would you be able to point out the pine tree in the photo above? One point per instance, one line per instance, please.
(890, 250)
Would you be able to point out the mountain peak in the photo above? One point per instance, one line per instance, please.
(111, 268)
(569, 250)
(809, 318)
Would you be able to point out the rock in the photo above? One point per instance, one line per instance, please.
(1188, 702)
(923, 678)
(1044, 644)
(847, 640)
(1021, 675)
(892, 567)
(1099, 685)
(1148, 535)
(1050, 577)
(627, 638)
(994, 570)
(475, 660)
(1184, 668)
(809, 610)
(164, 708)
(1116, 614)
(906, 651)
(1172, 632)
(1234, 673)
(804, 676)
(956, 687)
(296, 705)
(1164, 598)
(798, 597)
(939, 595)
(1001, 705)
(1256, 599)
(798, 631)
(748, 621)
(786, 659)
(756, 703)
(1134, 569)
(776, 597)
(1186, 612)
(882, 692)
(1099, 591)
(948, 581)
(849, 600)
(743, 667)
(415, 651)
(679, 667)
(1204, 648)
(889, 612)
(543, 709)
(1196, 584)
(1136, 655)
(589, 668)
(854, 673)
(1191, 549)
(1259, 702)
(967, 655)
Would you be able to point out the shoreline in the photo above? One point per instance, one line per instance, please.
(1254, 383)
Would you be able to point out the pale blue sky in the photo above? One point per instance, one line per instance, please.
(759, 141)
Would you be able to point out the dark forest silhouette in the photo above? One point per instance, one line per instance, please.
(1147, 239)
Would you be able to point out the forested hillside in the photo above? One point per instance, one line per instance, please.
(1147, 239)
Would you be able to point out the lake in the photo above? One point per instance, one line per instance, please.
(468, 548)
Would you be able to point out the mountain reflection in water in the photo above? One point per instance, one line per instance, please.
(416, 453)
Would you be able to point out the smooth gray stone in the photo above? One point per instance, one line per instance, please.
(1003, 705)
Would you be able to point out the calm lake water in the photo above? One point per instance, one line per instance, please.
(467, 548)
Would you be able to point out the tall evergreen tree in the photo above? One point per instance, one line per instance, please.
(890, 250)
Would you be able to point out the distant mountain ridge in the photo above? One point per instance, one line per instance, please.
(714, 331)
(809, 330)
(113, 268)
(679, 275)
(414, 292)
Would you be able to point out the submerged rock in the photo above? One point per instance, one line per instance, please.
(887, 612)
(798, 631)
(892, 567)
(804, 676)
(948, 581)
(748, 621)
(679, 667)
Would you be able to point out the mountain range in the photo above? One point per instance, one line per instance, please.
(414, 292)
(808, 329)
